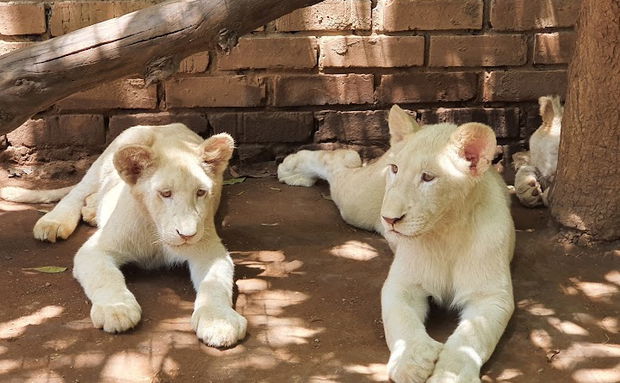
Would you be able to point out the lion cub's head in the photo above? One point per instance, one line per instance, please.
(431, 171)
(178, 182)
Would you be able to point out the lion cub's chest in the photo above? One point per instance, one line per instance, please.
(437, 267)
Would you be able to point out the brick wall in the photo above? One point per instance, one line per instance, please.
(323, 75)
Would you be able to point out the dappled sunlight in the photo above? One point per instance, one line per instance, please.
(613, 277)
(541, 338)
(567, 327)
(579, 352)
(595, 290)
(374, 371)
(280, 332)
(44, 375)
(79, 324)
(509, 375)
(16, 327)
(130, 365)
(598, 375)
(535, 308)
(355, 250)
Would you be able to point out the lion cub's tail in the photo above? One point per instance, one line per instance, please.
(17, 194)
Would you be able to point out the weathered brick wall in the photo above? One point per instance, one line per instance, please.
(325, 74)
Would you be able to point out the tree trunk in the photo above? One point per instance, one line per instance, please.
(586, 194)
(151, 41)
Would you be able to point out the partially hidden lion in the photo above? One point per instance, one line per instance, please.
(153, 194)
(536, 168)
(445, 212)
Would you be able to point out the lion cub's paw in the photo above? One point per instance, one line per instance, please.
(219, 326)
(291, 170)
(527, 188)
(52, 226)
(118, 316)
(454, 375)
(413, 362)
(442, 376)
(456, 366)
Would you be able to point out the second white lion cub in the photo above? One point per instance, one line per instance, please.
(536, 168)
(153, 193)
(446, 214)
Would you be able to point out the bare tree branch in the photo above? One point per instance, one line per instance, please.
(151, 41)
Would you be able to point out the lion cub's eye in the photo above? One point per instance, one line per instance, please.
(394, 168)
(201, 192)
(165, 193)
(426, 177)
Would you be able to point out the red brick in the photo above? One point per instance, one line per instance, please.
(195, 121)
(357, 127)
(522, 85)
(329, 15)
(67, 16)
(521, 15)
(554, 48)
(480, 50)
(10, 46)
(22, 19)
(71, 129)
(122, 94)
(268, 52)
(196, 63)
(405, 15)
(504, 121)
(191, 92)
(381, 52)
(323, 89)
(427, 87)
(264, 127)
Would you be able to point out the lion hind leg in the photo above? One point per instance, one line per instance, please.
(305, 167)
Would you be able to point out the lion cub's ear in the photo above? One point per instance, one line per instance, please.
(217, 150)
(550, 107)
(401, 124)
(475, 143)
(133, 161)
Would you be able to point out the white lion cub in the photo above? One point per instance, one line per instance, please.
(153, 193)
(536, 169)
(446, 214)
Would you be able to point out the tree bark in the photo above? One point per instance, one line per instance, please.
(586, 194)
(151, 41)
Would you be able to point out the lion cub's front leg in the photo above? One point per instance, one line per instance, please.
(114, 307)
(482, 323)
(215, 321)
(412, 351)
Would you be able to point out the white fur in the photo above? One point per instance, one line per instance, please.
(121, 193)
(454, 242)
(18, 194)
(536, 173)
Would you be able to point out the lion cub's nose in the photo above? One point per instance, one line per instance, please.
(392, 221)
(185, 236)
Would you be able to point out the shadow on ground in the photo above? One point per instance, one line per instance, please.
(309, 285)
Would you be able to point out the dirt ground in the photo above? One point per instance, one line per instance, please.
(309, 285)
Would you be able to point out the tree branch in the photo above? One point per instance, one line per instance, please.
(151, 41)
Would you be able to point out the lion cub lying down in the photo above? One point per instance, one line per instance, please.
(445, 213)
(536, 168)
(153, 193)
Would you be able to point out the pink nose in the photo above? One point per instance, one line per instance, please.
(185, 236)
(392, 221)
